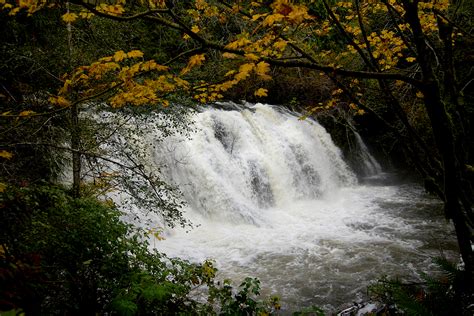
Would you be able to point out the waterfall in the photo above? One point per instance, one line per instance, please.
(256, 156)
(370, 166)
(271, 197)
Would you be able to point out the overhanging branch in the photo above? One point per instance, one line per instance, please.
(206, 44)
(345, 72)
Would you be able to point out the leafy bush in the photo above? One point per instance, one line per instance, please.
(61, 255)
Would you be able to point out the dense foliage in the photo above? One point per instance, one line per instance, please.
(67, 255)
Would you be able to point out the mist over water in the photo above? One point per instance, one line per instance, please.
(274, 199)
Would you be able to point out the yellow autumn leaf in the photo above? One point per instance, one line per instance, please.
(280, 45)
(410, 59)
(262, 69)
(229, 55)
(298, 14)
(244, 71)
(246, 68)
(106, 58)
(261, 92)
(258, 16)
(272, 19)
(152, 65)
(194, 61)
(251, 56)
(3, 186)
(229, 73)
(240, 42)
(111, 9)
(120, 55)
(201, 4)
(419, 94)
(60, 100)
(14, 11)
(6, 154)
(195, 29)
(86, 14)
(135, 54)
(117, 9)
(26, 113)
(69, 17)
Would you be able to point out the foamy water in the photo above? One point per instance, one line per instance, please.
(273, 198)
(324, 252)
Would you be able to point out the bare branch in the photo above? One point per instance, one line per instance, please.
(346, 73)
(118, 17)
(188, 52)
(452, 23)
(349, 38)
(85, 153)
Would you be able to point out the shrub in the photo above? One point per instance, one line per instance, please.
(61, 255)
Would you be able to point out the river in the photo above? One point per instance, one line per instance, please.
(272, 197)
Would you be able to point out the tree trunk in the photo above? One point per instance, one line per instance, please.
(444, 135)
(75, 131)
(76, 156)
(453, 191)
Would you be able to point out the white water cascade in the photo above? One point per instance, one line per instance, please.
(371, 166)
(272, 198)
(246, 160)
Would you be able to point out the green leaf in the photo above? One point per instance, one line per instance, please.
(124, 307)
